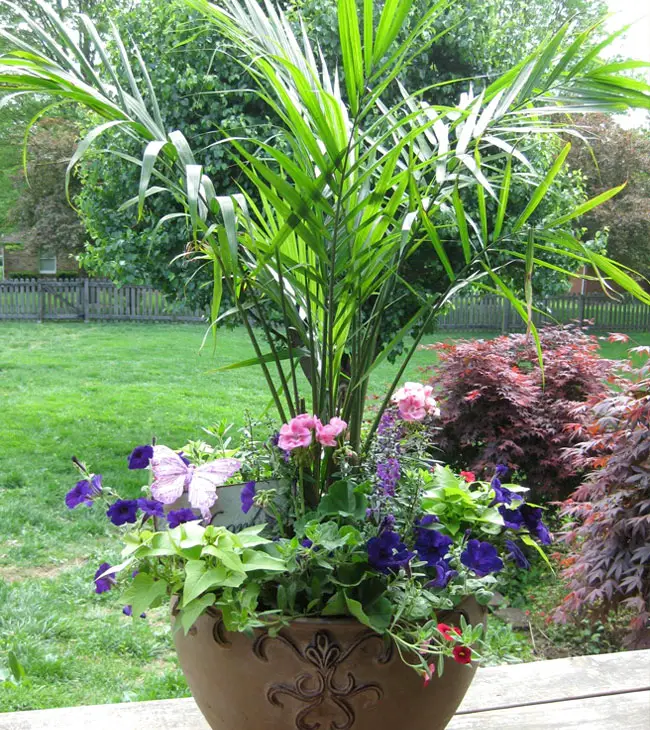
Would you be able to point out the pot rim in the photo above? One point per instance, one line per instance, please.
(351, 621)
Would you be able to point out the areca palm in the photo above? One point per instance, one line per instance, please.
(350, 187)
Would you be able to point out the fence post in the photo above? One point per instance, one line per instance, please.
(86, 300)
(505, 319)
(41, 300)
(581, 310)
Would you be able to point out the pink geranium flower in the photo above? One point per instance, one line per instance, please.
(326, 434)
(415, 401)
(297, 433)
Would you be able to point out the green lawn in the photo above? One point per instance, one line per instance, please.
(96, 391)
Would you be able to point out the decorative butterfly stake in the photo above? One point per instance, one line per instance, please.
(172, 476)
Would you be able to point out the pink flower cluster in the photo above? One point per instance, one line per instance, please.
(415, 401)
(299, 432)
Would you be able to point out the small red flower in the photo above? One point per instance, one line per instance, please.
(468, 476)
(429, 675)
(462, 654)
(446, 630)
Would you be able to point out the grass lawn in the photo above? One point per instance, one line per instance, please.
(96, 391)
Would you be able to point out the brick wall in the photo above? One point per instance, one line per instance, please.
(17, 261)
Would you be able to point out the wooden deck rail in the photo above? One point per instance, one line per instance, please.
(604, 692)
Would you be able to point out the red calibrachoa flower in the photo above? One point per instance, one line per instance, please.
(468, 476)
(446, 630)
(462, 654)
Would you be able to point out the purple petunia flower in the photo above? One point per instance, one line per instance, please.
(502, 495)
(387, 552)
(106, 582)
(140, 457)
(388, 474)
(481, 557)
(516, 553)
(512, 518)
(84, 491)
(151, 507)
(123, 511)
(431, 545)
(79, 494)
(247, 496)
(443, 575)
(532, 517)
(128, 611)
(306, 543)
(427, 520)
(178, 517)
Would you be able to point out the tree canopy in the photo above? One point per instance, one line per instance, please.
(192, 69)
(611, 156)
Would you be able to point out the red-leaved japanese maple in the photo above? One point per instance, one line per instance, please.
(609, 536)
(495, 409)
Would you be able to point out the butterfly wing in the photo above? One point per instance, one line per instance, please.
(169, 472)
(205, 480)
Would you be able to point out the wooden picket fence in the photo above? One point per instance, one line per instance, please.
(89, 299)
(491, 312)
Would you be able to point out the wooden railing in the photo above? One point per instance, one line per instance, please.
(89, 299)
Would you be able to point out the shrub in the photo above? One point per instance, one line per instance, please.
(497, 409)
(609, 533)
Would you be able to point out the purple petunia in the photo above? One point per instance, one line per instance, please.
(443, 575)
(123, 511)
(388, 474)
(516, 553)
(481, 557)
(431, 545)
(502, 495)
(247, 497)
(178, 517)
(84, 491)
(128, 611)
(427, 520)
(151, 507)
(387, 552)
(512, 518)
(306, 543)
(79, 494)
(104, 583)
(140, 457)
(532, 518)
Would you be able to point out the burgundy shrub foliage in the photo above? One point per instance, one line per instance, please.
(609, 533)
(495, 409)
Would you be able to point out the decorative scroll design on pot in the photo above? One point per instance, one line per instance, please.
(324, 685)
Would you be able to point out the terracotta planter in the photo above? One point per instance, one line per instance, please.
(317, 674)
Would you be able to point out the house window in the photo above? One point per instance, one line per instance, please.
(47, 262)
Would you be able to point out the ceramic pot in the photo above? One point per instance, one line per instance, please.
(316, 674)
